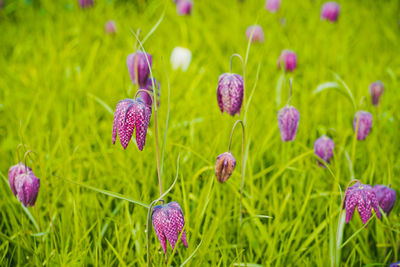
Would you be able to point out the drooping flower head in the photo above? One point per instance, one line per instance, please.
(364, 124)
(110, 27)
(230, 93)
(13, 172)
(323, 148)
(147, 97)
(184, 7)
(330, 11)
(258, 35)
(131, 113)
(27, 188)
(386, 197)
(138, 68)
(288, 121)
(180, 58)
(395, 264)
(289, 59)
(272, 5)
(363, 197)
(376, 90)
(85, 3)
(168, 222)
(224, 166)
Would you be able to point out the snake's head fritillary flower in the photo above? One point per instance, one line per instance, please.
(330, 11)
(13, 172)
(86, 3)
(137, 65)
(386, 197)
(396, 264)
(147, 97)
(230, 93)
(258, 33)
(288, 121)
(168, 222)
(376, 90)
(224, 166)
(323, 148)
(363, 197)
(27, 188)
(272, 5)
(289, 59)
(364, 124)
(110, 27)
(180, 58)
(184, 7)
(131, 113)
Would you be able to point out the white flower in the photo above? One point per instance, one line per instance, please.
(180, 58)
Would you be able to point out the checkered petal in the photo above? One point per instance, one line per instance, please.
(119, 118)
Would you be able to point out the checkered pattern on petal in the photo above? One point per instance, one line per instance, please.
(159, 217)
(119, 118)
(138, 115)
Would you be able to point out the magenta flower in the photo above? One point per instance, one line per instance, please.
(289, 59)
(138, 67)
(258, 35)
(386, 197)
(168, 222)
(323, 148)
(288, 121)
(86, 3)
(224, 166)
(272, 5)
(13, 172)
(230, 93)
(376, 90)
(184, 7)
(330, 11)
(111, 27)
(147, 97)
(362, 196)
(364, 124)
(396, 264)
(131, 113)
(27, 188)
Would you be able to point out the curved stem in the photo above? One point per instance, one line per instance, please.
(339, 222)
(146, 91)
(290, 91)
(25, 156)
(17, 150)
(230, 62)
(233, 129)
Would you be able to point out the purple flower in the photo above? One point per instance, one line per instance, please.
(184, 7)
(364, 124)
(147, 97)
(86, 3)
(386, 197)
(168, 222)
(323, 148)
(224, 166)
(13, 172)
(230, 93)
(396, 264)
(288, 121)
(362, 196)
(330, 11)
(272, 5)
(376, 90)
(258, 35)
(289, 59)
(27, 188)
(138, 67)
(131, 113)
(111, 27)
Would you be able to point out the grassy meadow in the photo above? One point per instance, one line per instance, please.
(62, 77)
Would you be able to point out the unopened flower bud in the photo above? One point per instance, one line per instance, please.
(323, 148)
(111, 27)
(230, 93)
(180, 58)
(289, 59)
(258, 34)
(330, 11)
(376, 90)
(27, 188)
(224, 166)
(137, 65)
(364, 124)
(272, 5)
(288, 121)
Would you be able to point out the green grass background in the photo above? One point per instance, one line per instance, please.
(61, 78)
